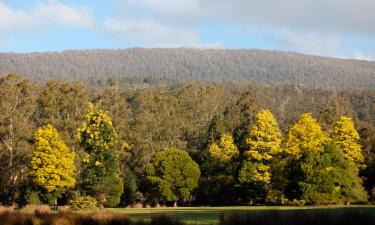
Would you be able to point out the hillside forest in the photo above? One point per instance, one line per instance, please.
(173, 142)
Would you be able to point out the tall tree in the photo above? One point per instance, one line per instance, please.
(17, 105)
(264, 142)
(236, 120)
(100, 174)
(305, 135)
(264, 139)
(328, 177)
(52, 162)
(63, 105)
(332, 111)
(347, 140)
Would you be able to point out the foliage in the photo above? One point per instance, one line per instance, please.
(254, 172)
(303, 136)
(264, 139)
(83, 203)
(17, 106)
(225, 150)
(329, 178)
(32, 198)
(62, 104)
(264, 142)
(173, 174)
(100, 174)
(97, 132)
(347, 139)
(156, 114)
(52, 162)
(129, 195)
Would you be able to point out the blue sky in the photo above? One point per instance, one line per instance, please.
(337, 28)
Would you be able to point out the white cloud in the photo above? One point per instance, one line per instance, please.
(169, 7)
(64, 15)
(153, 33)
(342, 16)
(43, 15)
(308, 26)
(310, 43)
(362, 56)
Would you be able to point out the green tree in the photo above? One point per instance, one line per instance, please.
(130, 188)
(100, 166)
(173, 175)
(52, 162)
(327, 177)
(347, 140)
(305, 135)
(332, 111)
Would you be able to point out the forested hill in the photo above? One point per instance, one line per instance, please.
(188, 64)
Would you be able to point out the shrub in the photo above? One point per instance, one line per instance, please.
(32, 198)
(83, 203)
(294, 202)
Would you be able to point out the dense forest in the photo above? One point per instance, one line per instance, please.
(185, 64)
(122, 142)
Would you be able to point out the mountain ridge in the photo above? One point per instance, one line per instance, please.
(215, 65)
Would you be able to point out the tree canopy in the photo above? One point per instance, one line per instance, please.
(173, 174)
(52, 162)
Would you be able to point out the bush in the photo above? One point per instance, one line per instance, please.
(114, 189)
(83, 203)
(32, 198)
(294, 202)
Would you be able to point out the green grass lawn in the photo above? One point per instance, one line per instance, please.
(211, 215)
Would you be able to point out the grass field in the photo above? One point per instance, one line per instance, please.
(211, 215)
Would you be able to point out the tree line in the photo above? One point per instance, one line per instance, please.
(183, 143)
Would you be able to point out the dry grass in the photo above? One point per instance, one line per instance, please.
(37, 208)
(6, 208)
(97, 218)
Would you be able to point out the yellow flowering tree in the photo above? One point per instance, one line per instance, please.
(305, 135)
(52, 162)
(346, 137)
(265, 137)
(97, 132)
(100, 166)
(264, 142)
(224, 150)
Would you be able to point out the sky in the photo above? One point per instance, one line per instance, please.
(334, 28)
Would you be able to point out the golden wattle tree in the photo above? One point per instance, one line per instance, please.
(224, 150)
(305, 135)
(52, 162)
(264, 142)
(346, 138)
(100, 173)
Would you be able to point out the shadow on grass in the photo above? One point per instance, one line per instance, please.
(302, 217)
